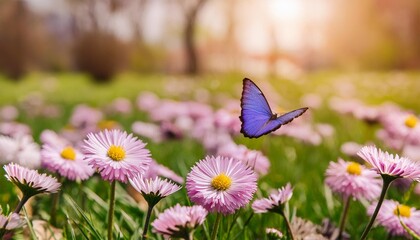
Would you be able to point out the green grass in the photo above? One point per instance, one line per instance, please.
(291, 161)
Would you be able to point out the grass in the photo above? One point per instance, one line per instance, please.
(291, 161)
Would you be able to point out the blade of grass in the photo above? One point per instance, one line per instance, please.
(92, 229)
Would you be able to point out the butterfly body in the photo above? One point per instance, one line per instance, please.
(256, 115)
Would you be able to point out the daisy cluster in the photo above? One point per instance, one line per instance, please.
(225, 184)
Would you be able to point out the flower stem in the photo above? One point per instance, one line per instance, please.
(289, 227)
(189, 235)
(344, 217)
(216, 226)
(407, 194)
(22, 202)
(147, 222)
(387, 180)
(111, 209)
(53, 216)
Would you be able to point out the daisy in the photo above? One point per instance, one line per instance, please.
(10, 222)
(351, 179)
(8, 113)
(388, 217)
(156, 169)
(273, 233)
(275, 202)
(221, 184)
(61, 157)
(84, 116)
(116, 155)
(390, 168)
(305, 229)
(30, 181)
(21, 150)
(179, 221)
(252, 158)
(153, 190)
(14, 129)
(388, 164)
(400, 129)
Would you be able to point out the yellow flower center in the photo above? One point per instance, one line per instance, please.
(354, 168)
(68, 153)
(116, 153)
(411, 121)
(221, 182)
(107, 124)
(403, 211)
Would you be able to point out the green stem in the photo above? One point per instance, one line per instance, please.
(216, 226)
(245, 224)
(344, 217)
(289, 227)
(111, 209)
(53, 216)
(147, 222)
(189, 235)
(387, 180)
(407, 194)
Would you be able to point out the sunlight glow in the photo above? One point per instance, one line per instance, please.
(287, 10)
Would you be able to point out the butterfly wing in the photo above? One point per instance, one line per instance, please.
(256, 115)
(276, 123)
(255, 111)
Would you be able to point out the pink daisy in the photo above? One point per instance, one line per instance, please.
(179, 221)
(21, 150)
(156, 169)
(221, 184)
(13, 221)
(14, 129)
(30, 182)
(153, 190)
(275, 202)
(116, 155)
(388, 217)
(8, 113)
(353, 179)
(252, 158)
(61, 157)
(84, 116)
(273, 233)
(388, 164)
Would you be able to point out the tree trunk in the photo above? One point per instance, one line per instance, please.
(189, 34)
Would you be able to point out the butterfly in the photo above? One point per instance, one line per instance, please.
(256, 115)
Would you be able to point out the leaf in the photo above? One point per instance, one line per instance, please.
(90, 227)
(68, 229)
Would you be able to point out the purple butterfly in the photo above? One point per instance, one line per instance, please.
(256, 115)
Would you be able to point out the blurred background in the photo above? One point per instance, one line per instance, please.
(280, 37)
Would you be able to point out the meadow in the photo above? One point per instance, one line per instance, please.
(46, 101)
